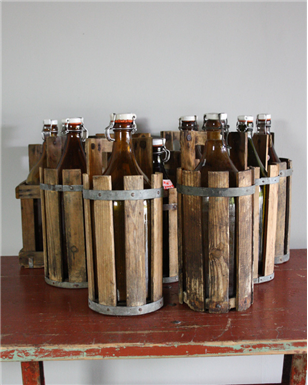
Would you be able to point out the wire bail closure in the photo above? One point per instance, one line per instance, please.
(111, 126)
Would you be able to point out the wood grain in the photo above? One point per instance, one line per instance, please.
(238, 142)
(281, 212)
(173, 234)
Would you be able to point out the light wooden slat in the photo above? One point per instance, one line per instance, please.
(192, 243)
(53, 227)
(74, 228)
(188, 150)
(44, 229)
(256, 221)
(156, 240)
(182, 279)
(218, 239)
(95, 157)
(54, 148)
(288, 210)
(28, 226)
(27, 191)
(281, 212)
(143, 149)
(244, 261)
(104, 240)
(261, 142)
(173, 235)
(135, 245)
(270, 222)
(35, 152)
(238, 142)
(200, 138)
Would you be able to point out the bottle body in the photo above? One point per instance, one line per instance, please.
(123, 163)
(215, 157)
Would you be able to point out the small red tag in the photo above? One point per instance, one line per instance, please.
(167, 184)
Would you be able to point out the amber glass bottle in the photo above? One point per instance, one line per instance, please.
(188, 122)
(216, 158)
(263, 123)
(123, 163)
(160, 156)
(73, 157)
(245, 124)
(50, 128)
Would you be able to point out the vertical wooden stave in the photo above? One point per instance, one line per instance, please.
(34, 152)
(218, 238)
(238, 142)
(157, 240)
(281, 212)
(288, 210)
(143, 149)
(256, 219)
(173, 235)
(188, 150)
(261, 143)
(54, 148)
(182, 286)
(28, 224)
(43, 210)
(244, 291)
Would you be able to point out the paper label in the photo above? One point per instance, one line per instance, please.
(167, 184)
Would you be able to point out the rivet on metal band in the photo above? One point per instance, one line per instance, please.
(282, 258)
(61, 188)
(216, 192)
(265, 181)
(123, 195)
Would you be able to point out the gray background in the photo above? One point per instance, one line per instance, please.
(161, 61)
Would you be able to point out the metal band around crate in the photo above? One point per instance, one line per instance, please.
(67, 285)
(286, 173)
(61, 188)
(264, 279)
(265, 181)
(123, 195)
(126, 310)
(282, 258)
(216, 192)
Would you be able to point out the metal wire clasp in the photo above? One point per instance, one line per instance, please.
(110, 127)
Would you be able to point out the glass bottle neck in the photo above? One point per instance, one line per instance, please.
(245, 127)
(188, 125)
(264, 127)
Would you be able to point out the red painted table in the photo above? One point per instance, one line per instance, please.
(40, 323)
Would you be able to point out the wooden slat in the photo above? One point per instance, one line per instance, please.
(54, 148)
(238, 142)
(31, 259)
(173, 235)
(218, 238)
(27, 191)
(200, 137)
(44, 228)
(104, 240)
(74, 228)
(156, 240)
(288, 210)
(95, 157)
(261, 142)
(270, 222)
(182, 279)
(168, 135)
(143, 149)
(281, 212)
(244, 261)
(27, 223)
(135, 245)
(256, 221)
(90, 251)
(188, 150)
(192, 239)
(35, 152)
(53, 227)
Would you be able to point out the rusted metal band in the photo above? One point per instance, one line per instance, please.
(282, 258)
(67, 285)
(170, 207)
(286, 173)
(216, 192)
(265, 181)
(171, 279)
(123, 195)
(126, 310)
(264, 279)
(61, 188)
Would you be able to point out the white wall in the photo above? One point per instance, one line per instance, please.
(161, 61)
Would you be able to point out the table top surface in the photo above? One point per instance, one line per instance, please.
(40, 322)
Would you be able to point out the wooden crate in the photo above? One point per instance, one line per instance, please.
(100, 240)
(204, 264)
(282, 243)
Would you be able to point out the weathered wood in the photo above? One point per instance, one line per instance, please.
(244, 261)
(96, 158)
(54, 148)
(44, 226)
(192, 239)
(288, 211)
(32, 373)
(104, 240)
(188, 150)
(173, 234)
(74, 228)
(182, 279)
(218, 238)
(261, 142)
(27, 191)
(31, 259)
(281, 212)
(53, 227)
(298, 369)
(135, 245)
(27, 223)
(34, 152)
(90, 250)
(270, 222)
(256, 221)
(156, 241)
(238, 142)
(143, 149)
